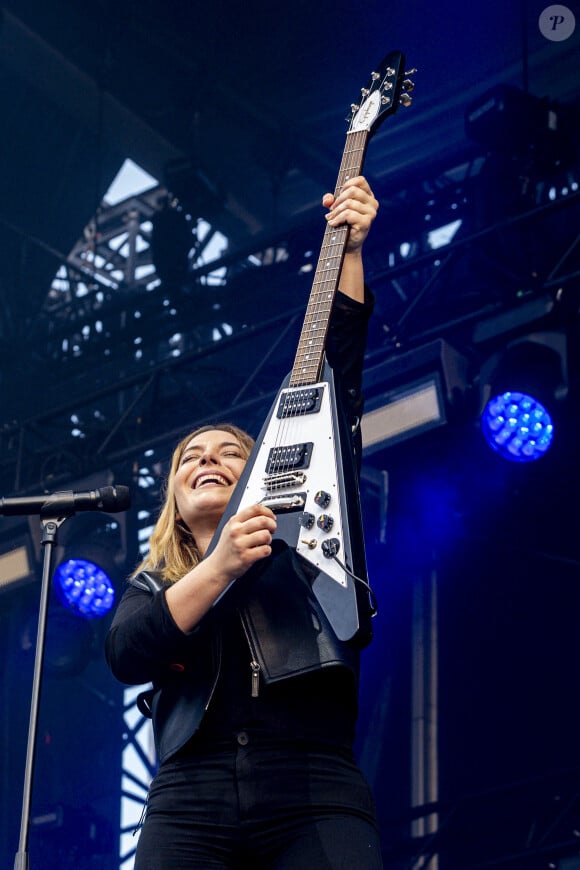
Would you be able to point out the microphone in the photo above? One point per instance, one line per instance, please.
(110, 499)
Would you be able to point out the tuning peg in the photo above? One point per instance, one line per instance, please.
(408, 85)
(405, 100)
(353, 110)
(411, 72)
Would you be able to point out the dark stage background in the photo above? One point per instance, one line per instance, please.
(126, 320)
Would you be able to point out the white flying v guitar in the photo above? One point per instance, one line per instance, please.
(302, 465)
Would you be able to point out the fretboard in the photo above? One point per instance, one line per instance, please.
(307, 367)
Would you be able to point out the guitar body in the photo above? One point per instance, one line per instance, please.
(302, 465)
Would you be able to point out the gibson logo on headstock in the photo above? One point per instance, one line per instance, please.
(367, 112)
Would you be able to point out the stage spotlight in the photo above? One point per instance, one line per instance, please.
(17, 559)
(84, 587)
(521, 388)
(513, 121)
(517, 426)
(89, 564)
(418, 391)
(409, 410)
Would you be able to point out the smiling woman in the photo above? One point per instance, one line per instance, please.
(209, 461)
(254, 693)
(173, 547)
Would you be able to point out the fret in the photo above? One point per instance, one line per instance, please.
(381, 98)
(310, 353)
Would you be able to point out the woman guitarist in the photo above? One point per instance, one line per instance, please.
(254, 772)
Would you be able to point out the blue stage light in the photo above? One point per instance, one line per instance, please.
(518, 426)
(84, 587)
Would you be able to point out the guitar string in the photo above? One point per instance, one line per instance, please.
(308, 362)
(309, 356)
(315, 327)
(307, 365)
(313, 335)
(332, 250)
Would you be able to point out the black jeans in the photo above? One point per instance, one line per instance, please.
(255, 805)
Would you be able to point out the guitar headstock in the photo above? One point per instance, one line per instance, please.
(387, 89)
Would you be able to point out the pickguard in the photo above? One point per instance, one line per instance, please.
(314, 443)
(295, 473)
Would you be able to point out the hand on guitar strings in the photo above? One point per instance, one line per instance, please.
(354, 205)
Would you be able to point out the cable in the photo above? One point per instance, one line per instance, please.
(374, 605)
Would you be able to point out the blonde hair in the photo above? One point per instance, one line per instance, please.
(172, 547)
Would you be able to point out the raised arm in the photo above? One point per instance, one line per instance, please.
(356, 206)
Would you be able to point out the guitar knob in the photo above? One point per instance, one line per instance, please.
(306, 520)
(405, 100)
(408, 85)
(322, 499)
(330, 547)
(325, 522)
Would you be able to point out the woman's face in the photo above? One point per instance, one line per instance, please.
(209, 468)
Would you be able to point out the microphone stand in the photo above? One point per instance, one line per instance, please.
(50, 527)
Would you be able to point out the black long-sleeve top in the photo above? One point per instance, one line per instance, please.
(319, 702)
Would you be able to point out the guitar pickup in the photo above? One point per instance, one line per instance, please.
(291, 458)
(294, 403)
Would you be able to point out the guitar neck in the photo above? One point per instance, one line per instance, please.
(309, 358)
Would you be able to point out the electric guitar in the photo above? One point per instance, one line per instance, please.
(302, 464)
